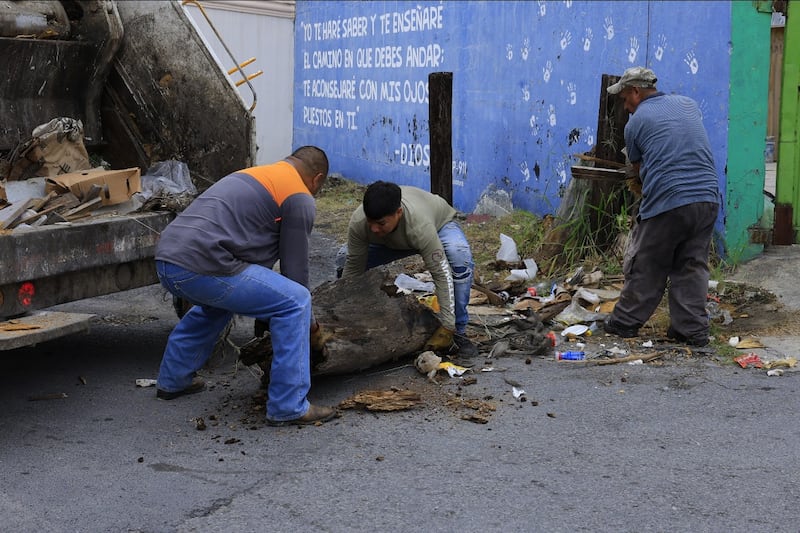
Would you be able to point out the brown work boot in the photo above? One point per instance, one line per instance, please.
(196, 385)
(315, 413)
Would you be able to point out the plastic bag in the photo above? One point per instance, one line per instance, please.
(167, 178)
(528, 273)
(508, 250)
(574, 313)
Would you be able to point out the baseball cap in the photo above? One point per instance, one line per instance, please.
(634, 77)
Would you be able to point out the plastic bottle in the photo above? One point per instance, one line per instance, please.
(570, 356)
(543, 288)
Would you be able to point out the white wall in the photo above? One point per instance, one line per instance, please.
(265, 30)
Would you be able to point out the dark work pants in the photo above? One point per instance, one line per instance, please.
(675, 246)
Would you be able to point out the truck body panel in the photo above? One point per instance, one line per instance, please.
(146, 88)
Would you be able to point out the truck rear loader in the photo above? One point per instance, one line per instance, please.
(146, 88)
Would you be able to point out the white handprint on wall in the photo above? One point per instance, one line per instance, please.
(587, 39)
(568, 3)
(573, 96)
(525, 48)
(534, 125)
(562, 172)
(542, 8)
(608, 25)
(566, 38)
(661, 45)
(552, 115)
(634, 50)
(509, 52)
(526, 93)
(526, 172)
(547, 70)
(691, 60)
(589, 131)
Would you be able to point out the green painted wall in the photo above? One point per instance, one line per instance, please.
(747, 126)
(788, 178)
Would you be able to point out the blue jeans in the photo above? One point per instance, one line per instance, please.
(256, 292)
(458, 253)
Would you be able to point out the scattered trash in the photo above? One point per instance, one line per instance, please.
(587, 295)
(143, 382)
(543, 289)
(628, 359)
(592, 279)
(42, 397)
(647, 344)
(529, 272)
(508, 250)
(407, 284)
(518, 393)
(453, 370)
(617, 351)
(777, 372)
(733, 341)
(713, 284)
(377, 400)
(636, 362)
(575, 330)
(576, 278)
(427, 363)
(574, 313)
(715, 312)
(749, 359)
(570, 356)
(199, 423)
(749, 343)
(789, 362)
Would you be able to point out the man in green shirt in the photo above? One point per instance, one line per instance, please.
(394, 222)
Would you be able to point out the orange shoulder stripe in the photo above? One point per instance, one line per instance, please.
(281, 179)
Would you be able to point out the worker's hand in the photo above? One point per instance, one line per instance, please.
(319, 336)
(634, 185)
(441, 340)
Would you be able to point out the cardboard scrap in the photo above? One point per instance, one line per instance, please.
(112, 186)
(749, 343)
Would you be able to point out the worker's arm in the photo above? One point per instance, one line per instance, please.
(432, 252)
(297, 221)
(357, 245)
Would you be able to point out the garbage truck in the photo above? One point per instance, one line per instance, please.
(144, 87)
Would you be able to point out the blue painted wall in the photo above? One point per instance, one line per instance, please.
(526, 84)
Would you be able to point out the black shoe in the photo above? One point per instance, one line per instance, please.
(626, 332)
(464, 347)
(197, 385)
(315, 414)
(698, 342)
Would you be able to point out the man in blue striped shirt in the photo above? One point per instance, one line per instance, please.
(669, 150)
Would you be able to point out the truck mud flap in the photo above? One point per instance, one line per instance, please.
(41, 326)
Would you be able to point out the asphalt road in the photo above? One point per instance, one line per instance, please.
(684, 445)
